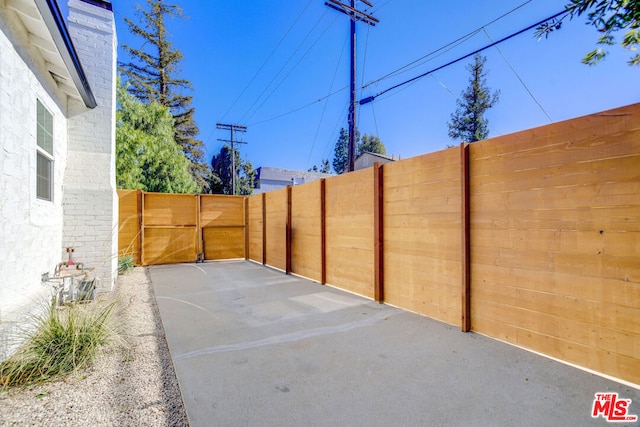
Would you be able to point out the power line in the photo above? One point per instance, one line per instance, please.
(295, 110)
(371, 98)
(519, 78)
(324, 108)
(267, 60)
(445, 48)
(281, 70)
(291, 70)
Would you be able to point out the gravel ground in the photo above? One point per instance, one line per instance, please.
(132, 383)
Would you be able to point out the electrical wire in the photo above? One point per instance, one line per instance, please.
(284, 66)
(418, 62)
(295, 110)
(266, 60)
(324, 109)
(519, 78)
(364, 65)
(371, 98)
(292, 69)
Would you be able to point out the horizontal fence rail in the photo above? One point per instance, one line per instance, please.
(531, 238)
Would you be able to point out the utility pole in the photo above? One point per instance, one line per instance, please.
(233, 129)
(355, 15)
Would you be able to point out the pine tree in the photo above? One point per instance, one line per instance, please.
(468, 122)
(341, 151)
(221, 174)
(152, 75)
(324, 167)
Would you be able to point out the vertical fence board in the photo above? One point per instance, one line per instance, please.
(422, 208)
(129, 224)
(276, 232)
(255, 228)
(306, 230)
(349, 232)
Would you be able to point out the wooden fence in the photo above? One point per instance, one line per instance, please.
(172, 228)
(532, 238)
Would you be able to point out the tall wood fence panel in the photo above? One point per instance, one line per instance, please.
(531, 238)
(222, 220)
(350, 232)
(255, 228)
(159, 228)
(306, 230)
(169, 228)
(276, 229)
(555, 240)
(421, 221)
(129, 214)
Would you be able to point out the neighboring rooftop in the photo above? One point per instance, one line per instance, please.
(269, 179)
(277, 174)
(367, 159)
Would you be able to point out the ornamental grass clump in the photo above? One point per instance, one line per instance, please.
(125, 264)
(63, 340)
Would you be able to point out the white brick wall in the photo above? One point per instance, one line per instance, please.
(83, 213)
(90, 200)
(30, 229)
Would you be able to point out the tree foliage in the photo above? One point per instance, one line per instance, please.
(220, 180)
(324, 167)
(468, 122)
(341, 151)
(609, 17)
(371, 144)
(368, 143)
(153, 77)
(147, 157)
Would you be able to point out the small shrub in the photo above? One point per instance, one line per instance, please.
(63, 341)
(125, 264)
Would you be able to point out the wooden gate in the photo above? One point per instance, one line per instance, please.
(174, 228)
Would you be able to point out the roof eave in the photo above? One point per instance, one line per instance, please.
(58, 29)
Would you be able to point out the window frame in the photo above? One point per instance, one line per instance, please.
(46, 130)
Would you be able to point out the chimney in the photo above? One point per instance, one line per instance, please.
(90, 200)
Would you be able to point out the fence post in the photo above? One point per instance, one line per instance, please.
(466, 238)
(138, 259)
(199, 233)
(142, 260)
(264, 229)
(323, 233)
(378, 233)
(246, 227)
(288, 233)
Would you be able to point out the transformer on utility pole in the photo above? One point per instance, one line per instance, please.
(355, 15)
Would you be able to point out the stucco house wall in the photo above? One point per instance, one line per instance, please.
(34, 232)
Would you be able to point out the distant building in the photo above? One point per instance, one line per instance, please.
(269, 179)
(366, 160)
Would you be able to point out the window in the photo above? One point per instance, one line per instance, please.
(44, 169)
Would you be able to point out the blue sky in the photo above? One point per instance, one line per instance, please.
(253, 61)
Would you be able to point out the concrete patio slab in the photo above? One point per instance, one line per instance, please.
(254, 347)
